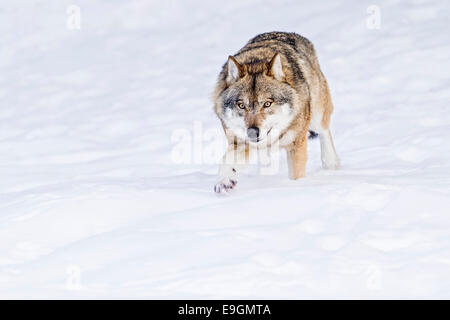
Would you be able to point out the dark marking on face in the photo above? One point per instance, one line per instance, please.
(283, 98)
(253, 82)
(230, 98)
(229, 103)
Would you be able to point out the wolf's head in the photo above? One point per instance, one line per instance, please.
(258, 103)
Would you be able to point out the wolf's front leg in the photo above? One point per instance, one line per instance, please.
(296, 157)
(234, 159)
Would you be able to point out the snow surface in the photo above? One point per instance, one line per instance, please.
(93, 205)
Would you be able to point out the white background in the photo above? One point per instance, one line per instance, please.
(92, 204)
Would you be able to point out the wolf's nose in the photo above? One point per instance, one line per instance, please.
(253, 133)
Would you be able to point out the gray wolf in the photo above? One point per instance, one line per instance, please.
(272, 91)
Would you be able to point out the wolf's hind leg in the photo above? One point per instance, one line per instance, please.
(296, 157)
(329, 156)
(320, 123)
(235, 158)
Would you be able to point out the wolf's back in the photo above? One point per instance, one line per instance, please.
(297, 42)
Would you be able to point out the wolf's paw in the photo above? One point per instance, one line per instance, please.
(224, 186)
(331, 165)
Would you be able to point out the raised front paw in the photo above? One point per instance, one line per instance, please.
(224, 186)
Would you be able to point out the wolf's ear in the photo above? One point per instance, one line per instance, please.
(234, 70)
(276, 68)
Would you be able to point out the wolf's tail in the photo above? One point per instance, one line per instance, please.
(312, 134)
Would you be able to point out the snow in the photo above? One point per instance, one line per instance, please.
(94, 202)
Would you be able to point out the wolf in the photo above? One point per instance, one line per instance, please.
(272, 91)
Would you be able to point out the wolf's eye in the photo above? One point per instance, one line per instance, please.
(267, 104)
(241, 105)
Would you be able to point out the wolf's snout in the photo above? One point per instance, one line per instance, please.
(253, 133)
